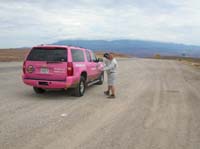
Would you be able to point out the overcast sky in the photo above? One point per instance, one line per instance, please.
(33, 22)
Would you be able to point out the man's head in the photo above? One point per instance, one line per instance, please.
(111, 56)
(106, 55)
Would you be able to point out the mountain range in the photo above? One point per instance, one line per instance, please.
(140, 48)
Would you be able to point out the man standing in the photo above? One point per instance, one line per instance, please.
(106, 62)
(111, 71)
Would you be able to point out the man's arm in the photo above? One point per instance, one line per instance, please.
(105, 62)
(110, 66)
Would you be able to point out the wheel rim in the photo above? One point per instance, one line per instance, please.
(82, 87)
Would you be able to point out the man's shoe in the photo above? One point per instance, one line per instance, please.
(106, 93)
(111, 96)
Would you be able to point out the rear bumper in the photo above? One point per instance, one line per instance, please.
(48, 84)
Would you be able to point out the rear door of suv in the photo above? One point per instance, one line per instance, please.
(47, 63)
(78, 59)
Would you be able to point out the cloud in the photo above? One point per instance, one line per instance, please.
(27, 22)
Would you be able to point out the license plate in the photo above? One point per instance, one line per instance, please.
(44, 70)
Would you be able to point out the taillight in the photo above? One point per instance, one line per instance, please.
(24, 67)
(30, 69)
(70, 69)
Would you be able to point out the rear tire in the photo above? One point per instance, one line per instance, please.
(80, 89)
(38, 90)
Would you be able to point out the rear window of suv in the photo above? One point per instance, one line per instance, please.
(77, 55)
(48, 54)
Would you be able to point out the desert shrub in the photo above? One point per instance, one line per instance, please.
(157, 56)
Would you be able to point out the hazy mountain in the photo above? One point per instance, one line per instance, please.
(140, 48)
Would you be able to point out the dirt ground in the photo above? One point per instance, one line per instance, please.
(157, 107)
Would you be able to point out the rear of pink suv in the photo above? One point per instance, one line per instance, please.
(54, 67)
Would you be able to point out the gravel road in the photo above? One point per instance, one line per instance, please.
(157, 107)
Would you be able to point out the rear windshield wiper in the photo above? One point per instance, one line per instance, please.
(54, 62)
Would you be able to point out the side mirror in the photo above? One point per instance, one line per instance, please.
(100, 59)
(96, 60)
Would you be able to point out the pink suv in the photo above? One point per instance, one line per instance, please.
(62, 67)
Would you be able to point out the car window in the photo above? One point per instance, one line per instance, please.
(48, 54)
(77, 55)
(88, 56)
(94, 59)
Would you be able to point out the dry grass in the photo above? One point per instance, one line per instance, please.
(8, 55)
(117, 55)
(191, 62)
(186, 60)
